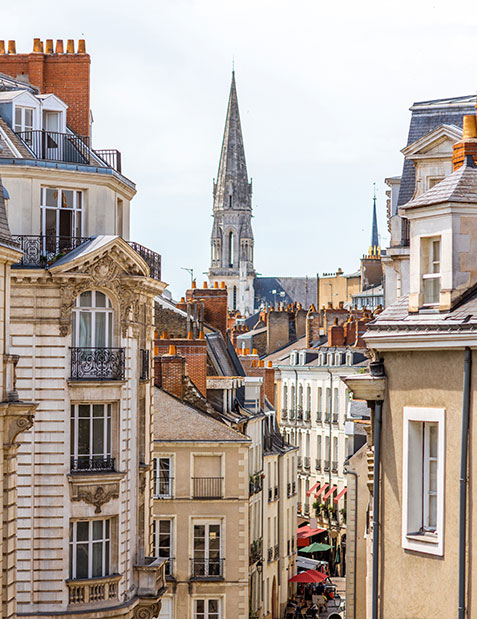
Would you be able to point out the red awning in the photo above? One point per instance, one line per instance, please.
(304, 532)
(308, 493)
(330, 491)
(342, 493)
(322, 489)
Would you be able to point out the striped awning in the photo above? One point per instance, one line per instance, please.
(321, 490)
(308, 492)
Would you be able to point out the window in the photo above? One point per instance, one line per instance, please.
(24, 120)
(167, 608)
(308, 398)
(119, 217)
(231, 249)
(162, 541)
(336, 402)
(423, 480)
(431, 270)
(285, 397)
(319, 400)
(207, 559)
(163, 477)
(90, 548)
(91, 437)
(92, 320)
(234, 301)
(61, 215)
(207, 609)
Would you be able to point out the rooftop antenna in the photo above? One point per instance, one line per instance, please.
(191, 273)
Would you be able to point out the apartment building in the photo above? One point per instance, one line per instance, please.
(82, 299)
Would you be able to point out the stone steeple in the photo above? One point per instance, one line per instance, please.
(232, 236)
(374, 232)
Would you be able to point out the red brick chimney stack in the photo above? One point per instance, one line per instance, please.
(215, 305)
(65, 75)
(468, 144)
(169, 372)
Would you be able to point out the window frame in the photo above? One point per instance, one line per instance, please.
(106, 543)
(107, 430)
(156, 477)
(414, 535)
(77, 217)
(94, 310)
(428, 267)
(206, 599)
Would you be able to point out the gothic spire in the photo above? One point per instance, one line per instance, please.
(374, 232)
(232, 189)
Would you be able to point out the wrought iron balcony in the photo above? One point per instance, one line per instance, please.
(326, 465)
(275, 493)
(97, 364)
(294, 487)
(334, 467)
(255, 551)
(92, 464)
(111, 157)
(144, 364)
(307, 463)
(276, 552)
(319, 417)
(270, 555)
(169, 567)
(318, 464)
(204, 569)
(270, 495)
(289, 492)
(307, 416)
(335, 418)
(55, 146)
(207, 487)
(163, 487)
(41, 250)
(151, 258)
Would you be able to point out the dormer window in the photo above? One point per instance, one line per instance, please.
(431, 270)
(330, 359)
(23, 119)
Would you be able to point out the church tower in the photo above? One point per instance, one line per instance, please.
(232, 237)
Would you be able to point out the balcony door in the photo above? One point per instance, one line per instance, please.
(91, 437)
(92, 321)
(61, 220)
(52, 144)
(207, 550)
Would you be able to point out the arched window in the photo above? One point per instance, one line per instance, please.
(92, 320)
(231, 249)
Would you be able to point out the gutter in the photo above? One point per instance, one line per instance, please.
(463, 480)
(348, 471)
(376, 487)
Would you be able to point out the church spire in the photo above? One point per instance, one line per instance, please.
(374, 232)
(232, 189)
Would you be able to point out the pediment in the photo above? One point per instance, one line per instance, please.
(437, 143)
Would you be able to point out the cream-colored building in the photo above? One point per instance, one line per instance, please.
(82, 324)
(421, 387)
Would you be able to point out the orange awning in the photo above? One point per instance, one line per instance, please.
(330, 491)
(322, 489)
(342, 493)
(308, 493)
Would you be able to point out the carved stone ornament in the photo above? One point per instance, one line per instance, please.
(96, 495)
(147, 610)
(16, 424)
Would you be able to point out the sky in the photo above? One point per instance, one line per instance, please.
(324, 93)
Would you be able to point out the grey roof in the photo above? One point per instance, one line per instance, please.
(5, 234)
(359, 408)
(223, 355)
(89, 246)
(460, 186)
(297, 290)
(10, 83)
(426, 116)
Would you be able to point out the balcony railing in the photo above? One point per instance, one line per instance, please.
(55, 146)
(299, 462)
(144, 361)
(289, 492)
(163, 488)
(318, 464)
(207, 487)
(92, 464)
(284, 414)
(276, 552)
(335, 418)
(326, 465)
(307, 416)
(270, 555)
(93, 589)
(207, 568)
(319, 417)
(307, 463)
(151, 258)
(111, 157)
(270, 495)
(255, 551)
(334, 466)
(41, 250)
(97, 364)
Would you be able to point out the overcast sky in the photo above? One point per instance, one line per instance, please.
(324, 93)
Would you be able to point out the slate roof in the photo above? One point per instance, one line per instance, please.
(426, 116)
(460, 186)
(179, 422)
(297, 290)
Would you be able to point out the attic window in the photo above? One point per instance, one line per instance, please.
(431, 270)
(23, 119)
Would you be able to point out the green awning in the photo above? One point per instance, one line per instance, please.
(316, 547)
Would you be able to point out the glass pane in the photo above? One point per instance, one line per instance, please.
(66, 198)
(51, 197)
(18, 118)
(200, 608)
(433, 475)
(84, 410)
(100, 330)
(28, 119)
(83, 437)
(78, 231)
(79, 199)
(50, 225)
(164, 466)
(84, 339)
(431, 288)
(82, 529)
(98, 529)
(433, 440)
(432, 511)
(85, 299)
(66, 225)
(82, 561)
(213, 607)
(98, 410)
(107, 529)
(100, 299)
(98, 436)
(97, 559)
(106, 558)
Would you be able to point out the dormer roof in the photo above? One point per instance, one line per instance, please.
(425, 145)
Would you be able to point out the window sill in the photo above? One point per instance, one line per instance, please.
(425, 538)
(426, 543)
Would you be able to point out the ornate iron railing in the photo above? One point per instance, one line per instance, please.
(270, 554)
(92, 463)
(207, 487)
(255, 551)
(55, 146)
(334, 466)
(335, 418)
(111, 157)
(41, 251)
(326, 465)
(97, 364)
(151, 258)
(318, 464)
(276, 552)
(289, 493)
(207, 568)
(144, 360)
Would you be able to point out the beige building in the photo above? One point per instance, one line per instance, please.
(421, 388)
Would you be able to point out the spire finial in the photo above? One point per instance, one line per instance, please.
(233, 65)
(374, 231)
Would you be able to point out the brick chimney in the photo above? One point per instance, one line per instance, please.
(64, 74)
(194, 352)
(468, 144)
(169, 372)
(312, 326)
(215, 304)
(269, 383)
(336, 334)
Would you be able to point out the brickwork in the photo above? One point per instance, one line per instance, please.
(195, 354)
(67, 75)
(169, 372)
(269, 383)
(312, 326)
(215, 306)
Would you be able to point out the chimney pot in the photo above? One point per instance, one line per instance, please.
(269, 364)
(190, 335)
(222, 284)
(254, 351)
(70, 46)
(470, 128)
(216, 284)
(49, 46)
(59, 46)
(37, 46)
(205, 285)
(164, 335)
(194, 285)
(81, 46)
(182, 300)
(2, 47)
(172, 350)
(201, 335)
(12, 47)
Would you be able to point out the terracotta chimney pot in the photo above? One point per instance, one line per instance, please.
(59, 46)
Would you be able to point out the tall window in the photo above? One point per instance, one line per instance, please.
(231, 249)
(318, 447)
(335, 449)
(431, 270)
(207, 609)
(162, 541)
(61, 213)
(23, 119)
(292, 403)
(285, 396)
(163, 477)
(92, 320)
(319, 403)
(91, 437)
(90, 549)
(300, 397)
(207, 550)
(336, 402)
(308, 398)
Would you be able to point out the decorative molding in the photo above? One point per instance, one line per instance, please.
(15, 423)
(96, 495)
(147, 610)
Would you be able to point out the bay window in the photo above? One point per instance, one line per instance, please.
(90, 549)
(61, 215)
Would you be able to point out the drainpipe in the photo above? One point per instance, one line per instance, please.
(348, 471)
(330, 403)
(463, 479)
(376, 484)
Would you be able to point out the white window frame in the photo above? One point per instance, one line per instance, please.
(412, 481)
(155, 540)
(77, 212)
(94, 309)
(428, 270)
(107, 430)
(157, 489)
(105, 542)
(22, 127)
(206, 599)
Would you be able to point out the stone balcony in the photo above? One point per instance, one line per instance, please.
(94, 591)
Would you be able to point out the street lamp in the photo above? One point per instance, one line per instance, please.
(191, 273)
